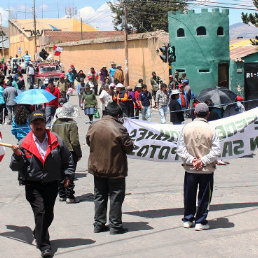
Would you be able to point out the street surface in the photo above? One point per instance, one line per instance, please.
(152, 212)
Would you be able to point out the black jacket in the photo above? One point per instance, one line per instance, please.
(57, 164)
(176, 117)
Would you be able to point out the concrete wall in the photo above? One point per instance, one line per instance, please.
(18, 40)
(143, 58)
(193, 52)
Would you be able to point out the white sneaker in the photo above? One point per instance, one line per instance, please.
(200, 227)
(188, 224)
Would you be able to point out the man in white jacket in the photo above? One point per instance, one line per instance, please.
(198, 147)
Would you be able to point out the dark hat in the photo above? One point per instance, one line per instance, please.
(38, 114)
(201, 108)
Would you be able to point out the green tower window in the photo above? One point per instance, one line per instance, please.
(220, 31)
(201, 31)
(180, 33)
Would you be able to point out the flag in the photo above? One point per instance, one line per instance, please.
(57, 50)
(2, 149)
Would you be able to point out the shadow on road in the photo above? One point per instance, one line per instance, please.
(137, 226)
(179, 211)
(69, 242)
(24, 235)
(89, 197)
(220, 223)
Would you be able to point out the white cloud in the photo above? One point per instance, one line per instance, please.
(100, 18)
(4, 15)
(44, 7)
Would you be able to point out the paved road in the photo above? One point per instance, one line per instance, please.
(152, 212)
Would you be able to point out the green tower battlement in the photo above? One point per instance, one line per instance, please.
(201, 43)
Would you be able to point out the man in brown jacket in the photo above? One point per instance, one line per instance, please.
(109, 143)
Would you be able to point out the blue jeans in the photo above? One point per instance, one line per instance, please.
(31, 77)
(49, 112)
(146, 112)
(163, 114)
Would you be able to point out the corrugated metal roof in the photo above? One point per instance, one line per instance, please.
(240, 48)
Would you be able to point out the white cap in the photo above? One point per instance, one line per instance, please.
(119, 85)
(174, 92)
(46, 81)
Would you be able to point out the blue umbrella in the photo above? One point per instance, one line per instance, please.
(34, 97)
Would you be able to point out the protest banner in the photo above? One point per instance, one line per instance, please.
(158, 142)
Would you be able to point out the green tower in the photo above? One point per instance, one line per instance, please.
(201, 43)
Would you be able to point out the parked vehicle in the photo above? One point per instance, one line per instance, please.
(46, 70)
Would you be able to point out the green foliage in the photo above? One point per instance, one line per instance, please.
(145, 15)
(251, 18)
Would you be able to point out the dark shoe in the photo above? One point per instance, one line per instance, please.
(116, 231)
(101, 229)
(72, 200)
(46, 253)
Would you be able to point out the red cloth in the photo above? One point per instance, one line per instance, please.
(183, 104)
(54, 102)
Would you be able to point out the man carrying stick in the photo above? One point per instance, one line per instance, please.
(44, 160)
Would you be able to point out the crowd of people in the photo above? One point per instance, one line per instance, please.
(49, 149)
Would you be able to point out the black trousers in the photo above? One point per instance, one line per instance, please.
(68, 192)
(130, 109)
(191, 184)
(115, 189)
(42, 200)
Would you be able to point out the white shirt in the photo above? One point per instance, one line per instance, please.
(42, 146)
(107, 98)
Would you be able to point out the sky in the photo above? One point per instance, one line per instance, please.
(97, 13)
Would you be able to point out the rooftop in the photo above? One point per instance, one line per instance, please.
(53, 24)
(240, 48)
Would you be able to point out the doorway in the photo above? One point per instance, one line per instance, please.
(223, 75)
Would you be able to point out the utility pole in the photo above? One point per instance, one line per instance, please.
(57, 10)
(35, 28)
(126, 45)
(2, 34)
(81, 30)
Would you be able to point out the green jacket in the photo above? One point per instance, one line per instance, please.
(67, 129)
(89, 100)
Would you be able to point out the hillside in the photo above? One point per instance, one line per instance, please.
(242, 30)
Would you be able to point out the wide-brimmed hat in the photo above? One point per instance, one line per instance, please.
(67, 111)
(175, 92)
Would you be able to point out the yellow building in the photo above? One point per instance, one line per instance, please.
(21, 32)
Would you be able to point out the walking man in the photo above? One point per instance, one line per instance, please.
(162, 98)
(9, 95)
(43, 159)
(145, 100)
(51, 106)
(199, 148)
(109, 168)
(155, 81)
(30, 73)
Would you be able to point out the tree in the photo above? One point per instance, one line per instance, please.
(145, 15)
(253, 19)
